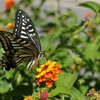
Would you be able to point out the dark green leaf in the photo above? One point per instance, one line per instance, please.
(59, 90)
(78, 95)
(92, 5)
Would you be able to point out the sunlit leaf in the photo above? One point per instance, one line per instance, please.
(66, 79)
(4, 86)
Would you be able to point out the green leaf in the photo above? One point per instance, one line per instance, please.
(69, 61)
(4, 86)
(45, 41)
(92, 5)
(40, 23)
(84, 88)
(77, 94)
(9, 74)
(61, 53)
(59, 90)
(66, 79)
(91, 51)
(70, 24)
(42, 2)
(64, 83)
(58, 32)
(72, 98)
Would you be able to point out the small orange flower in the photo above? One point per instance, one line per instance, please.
(48, 75)
(89, 14)
(48, 72)
(57, 66)
(54, 77)
(81, 65)
(73, 67)
(91, 34)
(55, 70)
(49, 83)
(10, 25)
(9, 4)
(47, 63)
(38, 81)
(51, 29)
(25, 98)
(2, 29)
(60, 71)
(43, 78)
(28, 98)
(92, 89)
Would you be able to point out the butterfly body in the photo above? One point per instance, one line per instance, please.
(22, 44)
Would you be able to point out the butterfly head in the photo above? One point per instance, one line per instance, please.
(41, 55)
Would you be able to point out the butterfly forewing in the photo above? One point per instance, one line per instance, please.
(22, 44)
(16, 50)
(26, 29)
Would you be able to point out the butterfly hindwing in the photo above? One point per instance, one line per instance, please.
(25, 28)
(16, 50)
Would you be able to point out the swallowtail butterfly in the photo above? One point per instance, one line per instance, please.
(22, 44)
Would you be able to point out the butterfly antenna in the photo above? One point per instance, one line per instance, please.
(50, 44)
(48, 47)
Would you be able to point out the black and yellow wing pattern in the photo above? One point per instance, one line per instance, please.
(22, 44)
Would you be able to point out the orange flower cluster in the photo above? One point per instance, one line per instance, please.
(48, 72)
(28, 98)
(9, 4)
(10, 25)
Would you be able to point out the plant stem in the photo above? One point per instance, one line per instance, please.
(54, 8)
(97, 39)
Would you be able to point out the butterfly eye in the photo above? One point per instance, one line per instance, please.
(43, 52)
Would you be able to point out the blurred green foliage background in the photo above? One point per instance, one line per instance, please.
(75, 45)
